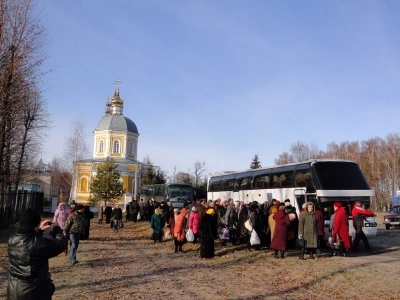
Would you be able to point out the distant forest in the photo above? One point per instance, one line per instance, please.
(379, 159)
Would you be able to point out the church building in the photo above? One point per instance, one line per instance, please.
(115, 136)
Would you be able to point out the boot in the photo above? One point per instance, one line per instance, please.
(276, 254)
(176, 249)
(180, 249)
(312, 254)
(282, 254)
(303, 250)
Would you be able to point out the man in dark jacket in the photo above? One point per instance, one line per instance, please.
(116, 216)
(74, 229)
(29, 251)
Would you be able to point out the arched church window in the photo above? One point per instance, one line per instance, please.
(84, 185)
(101, 146)
(131, 148)
(116, 147)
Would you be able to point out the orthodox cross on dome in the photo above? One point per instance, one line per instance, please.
(117, 83)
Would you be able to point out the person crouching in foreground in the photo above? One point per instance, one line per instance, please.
(29, 251)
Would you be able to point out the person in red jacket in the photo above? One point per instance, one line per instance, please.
(358, 214)
(340, 228)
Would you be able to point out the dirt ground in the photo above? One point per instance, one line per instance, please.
(128, 265)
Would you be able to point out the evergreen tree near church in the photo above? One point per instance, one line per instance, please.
(255, 164)
(106, 185)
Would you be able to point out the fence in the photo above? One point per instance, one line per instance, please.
(12, 205)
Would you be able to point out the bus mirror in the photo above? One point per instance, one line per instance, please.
(310, 189)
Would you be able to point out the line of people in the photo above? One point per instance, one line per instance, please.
(276, 226)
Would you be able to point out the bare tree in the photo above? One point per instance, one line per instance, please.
(284, 158)
(76, 147)
(23, 112)
(199, 169)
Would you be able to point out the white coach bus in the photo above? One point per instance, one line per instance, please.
(322, 181)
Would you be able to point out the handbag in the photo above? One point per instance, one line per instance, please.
(190, 236)
(254, 239)
(248, 226)
(301, 243)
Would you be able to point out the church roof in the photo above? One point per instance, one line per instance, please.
(117, 123)
(40, 165)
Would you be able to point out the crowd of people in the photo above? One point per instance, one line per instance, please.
(275, 226)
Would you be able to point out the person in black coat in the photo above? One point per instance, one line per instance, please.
(87, 216)
(107, 212)
(29, 251)
(208, 234)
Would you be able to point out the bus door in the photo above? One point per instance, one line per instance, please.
(300, 198)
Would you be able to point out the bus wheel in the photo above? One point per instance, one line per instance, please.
(387, 227)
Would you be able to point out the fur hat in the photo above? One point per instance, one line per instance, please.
(29, 219)
(79, 207)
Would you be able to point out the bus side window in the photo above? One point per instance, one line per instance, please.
(300, 199)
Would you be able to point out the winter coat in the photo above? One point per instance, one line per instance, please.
(29, 254)
(308, 228)
(279, 238)
(87, 216)
(341, 227)
(180, 222)
(255, 220)
(227, 217)
(208, 235)
(116, 214)
(61, 215)
(271, 225)
(358, 213)
(293, 227)
(74, 223)
(157, 222)
(194, 222)
(242, 218)
(319, 216)
(171, 224)
(100, 213)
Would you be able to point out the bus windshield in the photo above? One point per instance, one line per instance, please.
(334, 175)
(180, 193)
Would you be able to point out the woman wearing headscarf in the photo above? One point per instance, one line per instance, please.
(179, 230)
(157, 224)
(208, 234)
(279, 239)
(308, 230)
(340, 229)
(60, 218)
(194, 223)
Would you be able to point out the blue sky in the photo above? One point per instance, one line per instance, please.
(219, 81)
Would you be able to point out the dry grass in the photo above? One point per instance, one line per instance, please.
(127, 265)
